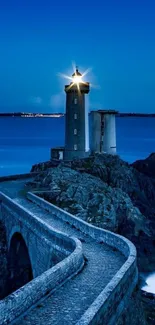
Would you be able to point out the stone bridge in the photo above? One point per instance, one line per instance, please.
(62, 269)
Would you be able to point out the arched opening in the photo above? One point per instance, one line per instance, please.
(19, 264)
(3, 261)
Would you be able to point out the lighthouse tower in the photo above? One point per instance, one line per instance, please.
(76, 127)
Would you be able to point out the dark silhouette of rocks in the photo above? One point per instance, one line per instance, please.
(146, 166)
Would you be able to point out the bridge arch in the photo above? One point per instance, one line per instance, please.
(19, 263)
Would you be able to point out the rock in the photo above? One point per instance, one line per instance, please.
(107, 192)
(45, 165)
(134, 313)
(148, 301)
(146, 166)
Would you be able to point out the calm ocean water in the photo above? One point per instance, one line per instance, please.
(26, 141)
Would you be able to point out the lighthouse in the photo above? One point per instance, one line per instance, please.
(76, 123)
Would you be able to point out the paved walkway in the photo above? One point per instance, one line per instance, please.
(68, 303)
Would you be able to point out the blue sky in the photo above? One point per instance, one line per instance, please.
(39, 39)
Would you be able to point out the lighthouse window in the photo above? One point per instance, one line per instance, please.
(75, 146)
(75, 101)
(75, 116)
(75, 131)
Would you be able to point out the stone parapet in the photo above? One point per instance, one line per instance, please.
(109, 305)
(22, 299)
(18, 176)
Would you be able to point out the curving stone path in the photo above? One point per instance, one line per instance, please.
(69, 302)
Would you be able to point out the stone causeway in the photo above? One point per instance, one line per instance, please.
(81, 274)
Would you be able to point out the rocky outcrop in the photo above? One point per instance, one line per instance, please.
(90, 198)
(148, 302)
(134, 313)
(108, 192)
(44, 165)
(146, 166)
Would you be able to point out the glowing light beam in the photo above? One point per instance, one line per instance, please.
(77, 79)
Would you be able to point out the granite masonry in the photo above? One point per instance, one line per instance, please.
(85, 274)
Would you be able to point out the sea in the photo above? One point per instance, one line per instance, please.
(27, 141)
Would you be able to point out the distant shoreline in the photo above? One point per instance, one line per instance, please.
(22, 114)
(31, 114)
(135, 115)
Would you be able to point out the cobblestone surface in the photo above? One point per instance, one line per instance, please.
(68, 303)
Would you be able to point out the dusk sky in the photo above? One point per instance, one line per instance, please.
(39, 39)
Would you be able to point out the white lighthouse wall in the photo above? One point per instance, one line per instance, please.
(109, 139)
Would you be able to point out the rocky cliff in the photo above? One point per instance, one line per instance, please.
(146, 166)
(108, 192)
(135, 312)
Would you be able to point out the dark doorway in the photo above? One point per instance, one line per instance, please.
(19, 264)
(3, 261)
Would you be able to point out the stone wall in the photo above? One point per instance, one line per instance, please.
(41, 240)
(18, 176)
(109, 305)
